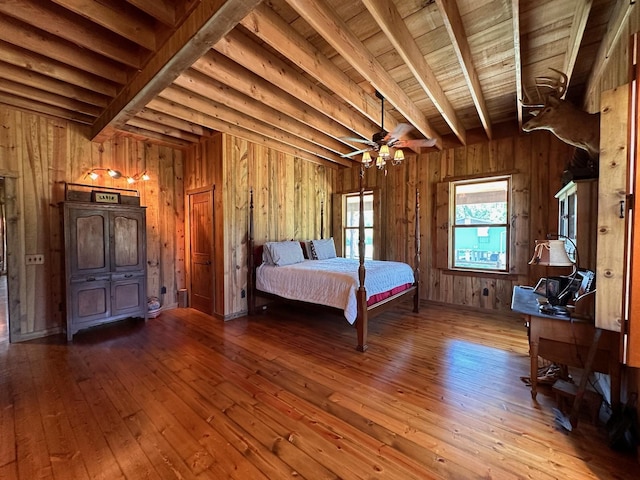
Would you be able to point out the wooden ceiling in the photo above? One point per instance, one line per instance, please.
(296, 75)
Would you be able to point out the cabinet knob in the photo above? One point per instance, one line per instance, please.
(91, 279)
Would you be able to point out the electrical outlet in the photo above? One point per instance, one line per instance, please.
(35, 259)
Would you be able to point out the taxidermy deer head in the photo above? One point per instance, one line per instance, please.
(564, 120)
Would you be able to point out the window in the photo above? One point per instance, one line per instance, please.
(479, 224)
(352, 222)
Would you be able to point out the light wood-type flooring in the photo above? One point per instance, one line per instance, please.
(286, 395)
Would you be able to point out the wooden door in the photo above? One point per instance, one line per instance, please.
(201, 248)
(89, 237)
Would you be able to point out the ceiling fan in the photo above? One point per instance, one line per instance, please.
(390, 139)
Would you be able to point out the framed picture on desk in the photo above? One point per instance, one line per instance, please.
(541, 287)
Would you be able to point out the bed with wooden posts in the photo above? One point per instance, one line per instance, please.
(332, 281)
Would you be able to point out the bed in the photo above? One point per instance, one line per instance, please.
(360, 289)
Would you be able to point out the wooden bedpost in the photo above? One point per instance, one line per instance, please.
(322, 217)
(416, 270)
(251, 297)
(362, 320)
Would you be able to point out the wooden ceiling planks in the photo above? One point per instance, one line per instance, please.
(283, 77)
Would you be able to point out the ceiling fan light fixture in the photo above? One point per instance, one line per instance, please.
(366, 159)
(398, 157)
(381, 163)
(384, 152)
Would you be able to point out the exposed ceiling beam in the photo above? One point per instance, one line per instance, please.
(52, 85)
(164, 119)
(145, 135)
(206, 24)
(163, 10)
(583, 8)
(38, 41)
(455, 28)
(517, 58)
(191, 115)
(32, 61)
(82, 33)
(619, 18)
(119, 21)
(226, 71)
(49, 110)
(245, 51)
(388, 18)
(334, 30)
(165, 130)
(48, 97)
(225, 95)
(221, 112)
(272, 29)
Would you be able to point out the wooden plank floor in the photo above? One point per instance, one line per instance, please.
(285, 395)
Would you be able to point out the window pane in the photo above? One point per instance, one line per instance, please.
(352, 216)
(481, 203)
(352, 235)
(480, 247)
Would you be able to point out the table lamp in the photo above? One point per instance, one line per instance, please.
(552, 253)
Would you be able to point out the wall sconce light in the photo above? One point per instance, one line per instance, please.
(94, 174)
(137, 177)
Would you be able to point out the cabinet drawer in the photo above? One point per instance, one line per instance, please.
(123, 276)
(89, 278)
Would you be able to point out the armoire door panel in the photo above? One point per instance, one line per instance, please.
(89, 237)
(126, 232)
(127, 296)
(91, 301)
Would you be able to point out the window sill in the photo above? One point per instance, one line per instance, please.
(480, 273)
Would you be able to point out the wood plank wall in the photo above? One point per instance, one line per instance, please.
(42, 154)
(539, 156)
(287, 195)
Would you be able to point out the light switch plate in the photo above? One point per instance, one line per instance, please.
(35, 259)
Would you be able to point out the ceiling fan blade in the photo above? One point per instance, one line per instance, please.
(356, 140)
(352, 154)
(401, 130)
(428, 142)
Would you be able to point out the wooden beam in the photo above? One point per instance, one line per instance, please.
(37, 41)
(336, 32)
(226, 71)
(59, 71)
(619, 18)
(162, 10)
(171, 121)
(149, 135)
(273, 30)
(42, 109)
(455, 28)
(388, 18)
(48, 98)
(517, 58)
(165, 130)
(206, 24)
(219, 93)
(245, 51)
(119, 21)
(42, 82)
(188, 114)
(583, 8)
(202, 104)
(80, 32)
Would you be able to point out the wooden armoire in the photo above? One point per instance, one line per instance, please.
(105, 263)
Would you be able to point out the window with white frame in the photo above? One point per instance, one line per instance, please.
(351, 224)
(479, 233)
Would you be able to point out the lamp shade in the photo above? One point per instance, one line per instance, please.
(550, 253)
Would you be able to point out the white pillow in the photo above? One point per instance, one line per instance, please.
(323, 249)
(285, 253)
(266, 255)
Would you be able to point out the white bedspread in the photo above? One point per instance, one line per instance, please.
(332, 282)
